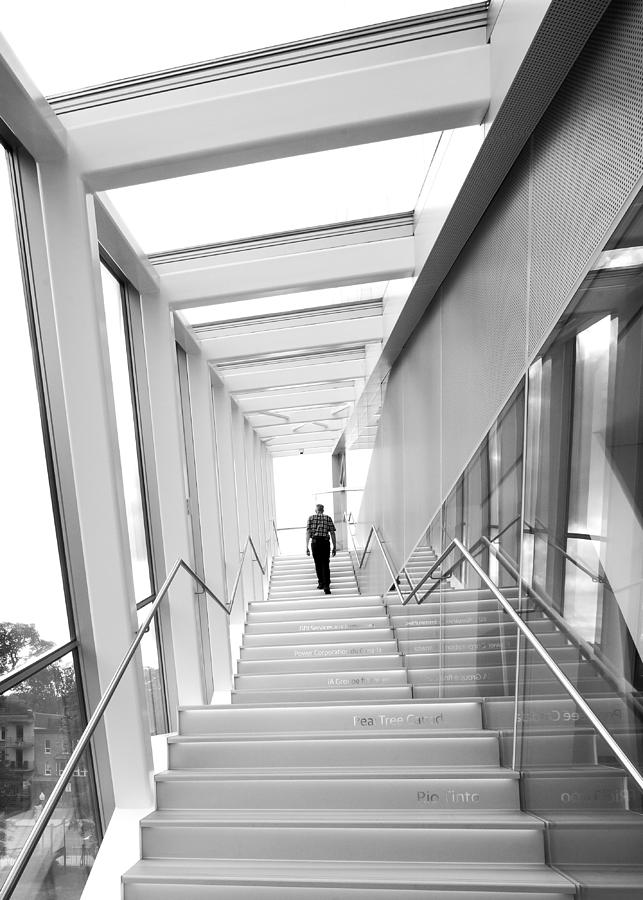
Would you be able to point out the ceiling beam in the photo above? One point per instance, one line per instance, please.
(295, 416)
(359, 93)
(303, 337)
(265, 378)
(218, 279)
(275, 400)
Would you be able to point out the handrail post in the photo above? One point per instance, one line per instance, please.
(551, 664)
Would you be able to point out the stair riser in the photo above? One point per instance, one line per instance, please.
(345, 664)
(413, 611)
(611, 844)
(454, 631)
(560, 713)
(352, 718)
(320, 612)
(479, 659)
(462, 618)
(340, 633)
(368, 620)
(381, 751)
(337, 843)
(321, 651)
(575, 792)
(334, 695)
(475, 645)
(156, 890)
(552, 750)
(320, 680)
(319, 601)
(494, 674)
(451, 793)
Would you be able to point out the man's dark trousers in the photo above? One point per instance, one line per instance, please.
(321, 555)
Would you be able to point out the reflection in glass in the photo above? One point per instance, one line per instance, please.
(154, 697)
(127, 438)
(40, 723)
(33, 614)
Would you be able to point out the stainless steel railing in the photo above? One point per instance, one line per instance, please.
(22, 860)
(249, 544)
(525, 631)
(373, 533)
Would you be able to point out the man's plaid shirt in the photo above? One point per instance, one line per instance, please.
(319, 525)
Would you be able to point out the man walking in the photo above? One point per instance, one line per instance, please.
(320, 531)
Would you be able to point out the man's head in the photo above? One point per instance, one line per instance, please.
(319, 508)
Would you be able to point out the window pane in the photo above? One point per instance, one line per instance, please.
(62, 54)
(152, 677)
(278, 195)
(42, 720)
(33, 612)
(127, 441)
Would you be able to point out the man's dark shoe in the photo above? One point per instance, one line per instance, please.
(320, 587)
(327, 590)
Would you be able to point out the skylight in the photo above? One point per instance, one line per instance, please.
(263, 306)
(70, 45)
(277, 195)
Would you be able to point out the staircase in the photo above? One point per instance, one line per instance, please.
(346, 768)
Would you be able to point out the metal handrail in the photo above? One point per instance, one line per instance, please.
(597, 579)
(618, 681)
(274, 528)
(350, 520)
(373, 533)
(553, 666)
(473, 549)
(263, 566)
(37, 831)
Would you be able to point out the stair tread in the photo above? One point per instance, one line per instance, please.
(450, 818)
(401, 734)
(592, 818)
(605, 875)
(338, 872)
(409, 771)
(365, 773)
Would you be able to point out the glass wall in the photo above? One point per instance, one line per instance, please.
(41, 702)
(34, 609)
(41, 720)
(115, 298)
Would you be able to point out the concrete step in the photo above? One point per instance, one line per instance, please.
(490, 789)
(323, 611)
(481, 659)
(319, 664)
(559, 749)
(593, 788)
(327, 623)
(468, 617)
(318, 601)
(333, 694)
(536, 672)
(339, 880)
(487, 836)
(583, 836)
(471, 629)
(348, 718)
(555, 712)
(316, 753)
(346, 590)
(475, 644)
(607, 882)
(344, 650)
(320, 634)
(321, 680)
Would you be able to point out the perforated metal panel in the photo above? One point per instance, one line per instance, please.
(484, 315)
(587, 159)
